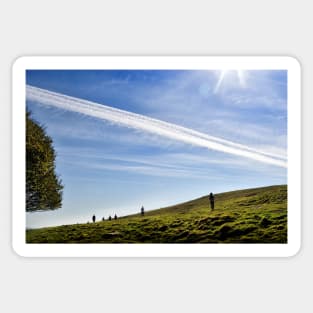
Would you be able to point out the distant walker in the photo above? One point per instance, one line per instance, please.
(211, 198)
(93, 218)
(142, 211)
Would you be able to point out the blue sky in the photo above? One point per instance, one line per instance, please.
(107, 168)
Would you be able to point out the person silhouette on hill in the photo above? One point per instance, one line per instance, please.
(211, 198)
(93, 218)
(110, 218)
(115, 217)
(142, 211)
(102, 219)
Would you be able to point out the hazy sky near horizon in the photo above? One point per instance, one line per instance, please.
(107, 168)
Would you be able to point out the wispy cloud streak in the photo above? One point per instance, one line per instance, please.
(151, 125)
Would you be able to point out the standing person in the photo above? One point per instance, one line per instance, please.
(93, 218)
(142, 211)
(211, 198)
(115, 217)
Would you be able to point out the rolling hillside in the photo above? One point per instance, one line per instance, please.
(245, 216)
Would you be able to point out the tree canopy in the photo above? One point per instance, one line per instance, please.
(43, 186)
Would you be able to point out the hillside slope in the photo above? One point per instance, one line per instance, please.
(245, 216)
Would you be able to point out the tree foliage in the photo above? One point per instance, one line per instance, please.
(43, 187)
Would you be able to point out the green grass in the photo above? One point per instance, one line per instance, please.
(245, 216)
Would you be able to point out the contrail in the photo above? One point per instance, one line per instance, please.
(151, 125)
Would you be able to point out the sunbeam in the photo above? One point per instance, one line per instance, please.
(240, 75)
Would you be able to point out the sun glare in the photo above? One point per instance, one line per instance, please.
(241, 78)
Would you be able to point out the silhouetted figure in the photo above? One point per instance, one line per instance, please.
(102, 219)
(110, 218)
(93, 218)
(115, 217)
(211, 198)
(142, 211)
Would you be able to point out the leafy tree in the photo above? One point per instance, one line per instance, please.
(43, 187)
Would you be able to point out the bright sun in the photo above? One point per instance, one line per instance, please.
(241, 77)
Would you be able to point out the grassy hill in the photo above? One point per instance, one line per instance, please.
(245, 216)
